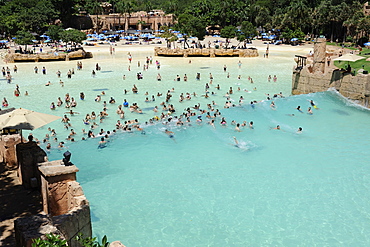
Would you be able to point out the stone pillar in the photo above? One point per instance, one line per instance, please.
(127, 22)
(29, 154)
(140, 26)
(55, 178)
(319, 55)
(7, 149)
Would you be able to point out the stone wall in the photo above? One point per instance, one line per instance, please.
(356, 88)
(16, 57)
(317, 77)
(7, 149)
(66, 209)
(28, 155)
(208, 52)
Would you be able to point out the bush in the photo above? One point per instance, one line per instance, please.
(56, 241)
(50, 241)
(349, 39)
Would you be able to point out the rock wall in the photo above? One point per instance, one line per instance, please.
(208, 52)
(16, 57)
(7, 149)
(317, 77)
(66, 209)
(28, 155)
(356, 88)
(319, 55)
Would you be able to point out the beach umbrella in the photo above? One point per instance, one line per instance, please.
(367, 44)
(47, 41)
(44, 36)
(24, 119)
(294, 39)
(3, 41)
(348, 58)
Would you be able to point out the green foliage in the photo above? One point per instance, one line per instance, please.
(54, 32)
(168, 35)
(73, 35)
(24, 38)
(248, 29)
(228, 32)
(332, 18)
(50, 241)
(289, 34)
(349, 39)
(92, 242)
(190, 26)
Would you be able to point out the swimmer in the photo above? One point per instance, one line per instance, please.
(313, 104)
(276, 128)
(170, 134)
(102, 143)
(309, 111)
(236, 142)
(299, 130)
(72, 112)
(272, 105)
(299, 109)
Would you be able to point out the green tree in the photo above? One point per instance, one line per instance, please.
(54, 32)
(74, 36)
(188, 25)
(24, 38)
(248, 29)
(228, 33)
(168, 35)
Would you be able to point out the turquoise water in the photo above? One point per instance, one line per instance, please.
(277, 188)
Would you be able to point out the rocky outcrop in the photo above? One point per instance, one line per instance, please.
(207, 52)
(63, 56)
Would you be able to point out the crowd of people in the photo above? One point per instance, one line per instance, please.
(165, 113)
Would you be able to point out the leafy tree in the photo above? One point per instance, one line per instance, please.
(188, 25)
(248, 29)
(168, 35)
(24, 38)
(74, 36)
(54, 32)
(228, 32)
